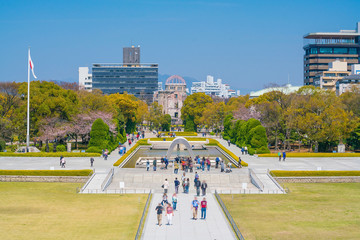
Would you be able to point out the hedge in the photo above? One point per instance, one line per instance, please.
(292, 154)
(284, 173)
(83, 172)
(181, 134)
(49, 154)
(195, 139)
(137, 144)
(213, 142)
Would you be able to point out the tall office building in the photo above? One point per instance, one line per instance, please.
(140, 80)
(321, 48)
(131, 55)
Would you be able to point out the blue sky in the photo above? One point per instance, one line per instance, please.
(246, 43)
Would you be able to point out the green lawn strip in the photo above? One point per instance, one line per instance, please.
(195, 139)
(180, 133)
(311, 155)
(213, 142)
(55, 211)
(310, 211)
(83, 172)
(137, 144)
(284, 173)
(50, 154)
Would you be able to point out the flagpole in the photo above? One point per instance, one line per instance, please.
(28, 106)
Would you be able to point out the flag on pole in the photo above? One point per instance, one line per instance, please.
(31, 65)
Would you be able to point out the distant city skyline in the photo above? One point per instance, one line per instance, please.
(246, 44)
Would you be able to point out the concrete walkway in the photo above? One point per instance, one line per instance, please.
(184, 227)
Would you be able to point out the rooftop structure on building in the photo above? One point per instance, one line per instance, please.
(349, 83)
(172, 98)
(322, 48)
(327, 79)
(85, 79)
(131, 54)
(214, 88)
(287, 89)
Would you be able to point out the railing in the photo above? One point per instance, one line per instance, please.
(229, 217)
(107, 180)
(81, 189)
(255, 180)
(281, 186)
(141, 224)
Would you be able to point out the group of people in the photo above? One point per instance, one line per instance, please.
(283, 156)
(170, 206)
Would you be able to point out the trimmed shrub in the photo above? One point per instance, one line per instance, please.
(94, 150)
(171, 139)
(212, 134)
(83, 172)
(2, 145)
(99, 135)
(283, 173)
(181, 134)
(60, 148)
(51, 154)
(309, 155)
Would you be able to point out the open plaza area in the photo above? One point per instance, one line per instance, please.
(179, 120)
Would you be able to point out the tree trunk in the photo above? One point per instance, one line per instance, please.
(276, 139)
(76, 141)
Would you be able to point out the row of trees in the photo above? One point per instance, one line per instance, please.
(64, 112)
(311, 116)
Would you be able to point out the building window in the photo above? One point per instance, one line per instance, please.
(352, 51)
(176, 114)
(340, 50)
(325, 50)
(313, 51)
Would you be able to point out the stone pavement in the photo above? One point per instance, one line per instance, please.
(214, 227)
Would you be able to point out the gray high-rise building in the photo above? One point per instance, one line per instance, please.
(131, 55)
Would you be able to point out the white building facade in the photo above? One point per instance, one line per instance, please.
(85, 79)
(214, 88)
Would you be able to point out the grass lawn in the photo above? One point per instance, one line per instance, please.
(310, 211)
(56, 211)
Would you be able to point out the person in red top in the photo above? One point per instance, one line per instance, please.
(203, 208)
(169, 213)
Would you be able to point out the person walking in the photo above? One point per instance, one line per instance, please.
(222, 166)
(154, 164)
(208, 164)
(284, 156)
(204, 187)
(194, 208)
(203, 208)
(183, 179)
(166, 185)
(159, 209)
(174, 200)
(228, 142)
(169, 213)
(177, 184)
(61, 157)
(147, 165)
(242, 150)
(197, 186)
(246, 150)
(279, 155)
(63, 162)
(165, 199)
(217, 160)
(240, 166)
(92, 162)
(187, 185)
(176, 167)
(203, 164)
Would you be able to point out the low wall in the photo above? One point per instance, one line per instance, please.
(345, 179)
(66, 179)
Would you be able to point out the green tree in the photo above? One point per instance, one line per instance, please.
(99, 135)
(155, 115)
(194, 106)
(166, 122)
(190, 125)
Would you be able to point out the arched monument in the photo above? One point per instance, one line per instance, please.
(180, 140)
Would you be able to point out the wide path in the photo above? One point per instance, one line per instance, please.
(184, 227)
